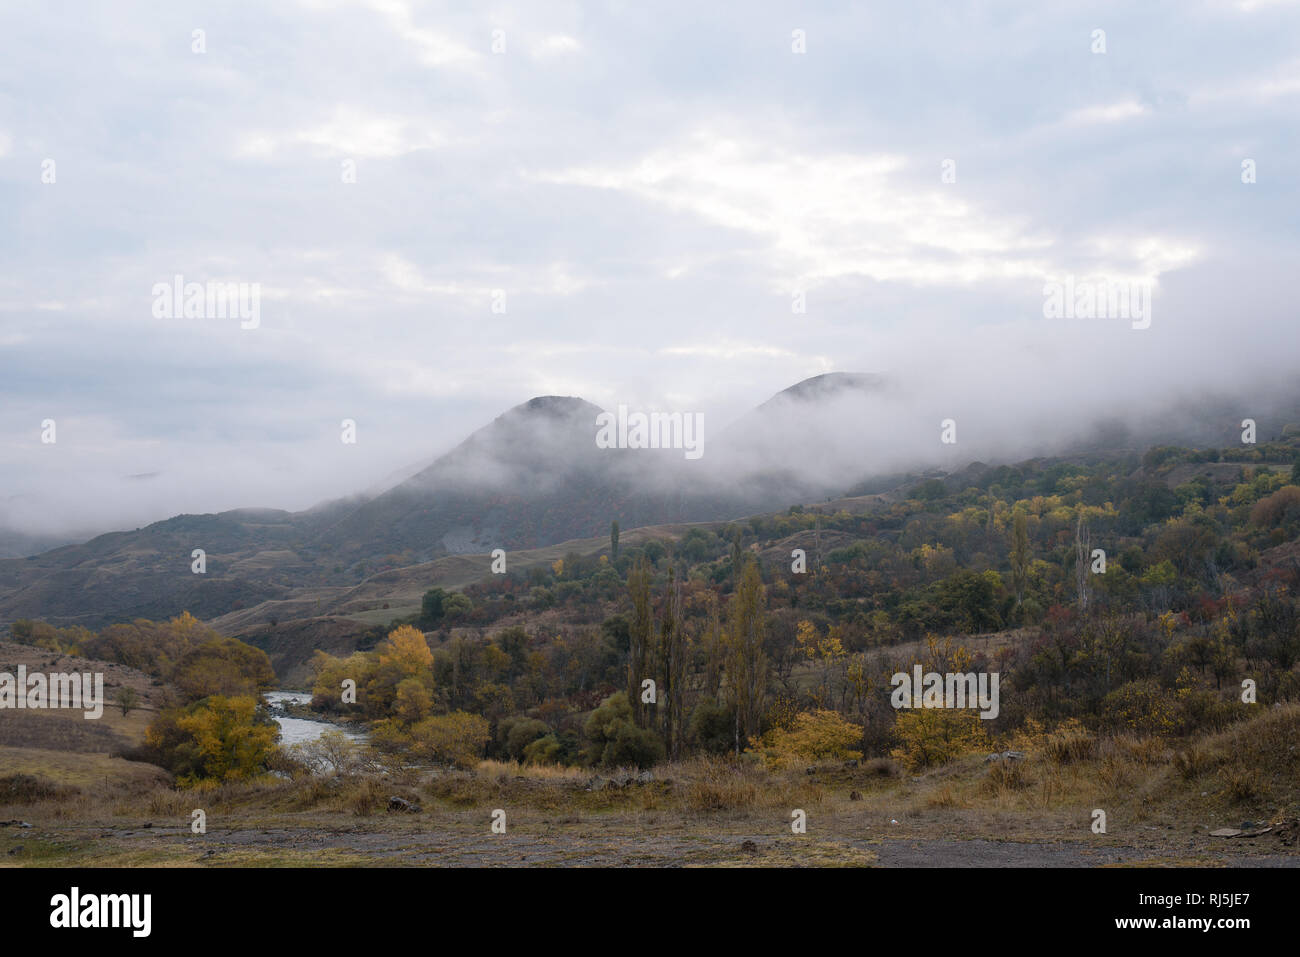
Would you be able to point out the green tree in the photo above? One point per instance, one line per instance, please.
(127, 698)
(431, 607)
(672, 666)
(614, 740)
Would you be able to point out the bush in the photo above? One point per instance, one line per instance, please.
(1141, 706)
(816, 736)
(457, 738)
(515, 735)
(27, 789)
(718, 786)
(929, 737)
(712, 727)
(1069, 744)
(614, 740)
(547, 750)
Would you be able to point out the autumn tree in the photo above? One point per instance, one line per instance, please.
(1020, 554)
(747, 664)
(640, 639)
(219, 738)
(1082, 561)
(826, 651)
(223, 666)
(407, 650)
(672, 666)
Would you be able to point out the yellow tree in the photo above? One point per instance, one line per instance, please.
(229, 741)
(407, 650)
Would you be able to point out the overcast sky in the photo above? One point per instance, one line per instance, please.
(649, 184)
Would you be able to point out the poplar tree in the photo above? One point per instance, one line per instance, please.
(640, 638)
(747, 664)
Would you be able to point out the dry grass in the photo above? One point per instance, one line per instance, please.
(500, 771)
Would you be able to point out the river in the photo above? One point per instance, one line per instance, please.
(301, 730)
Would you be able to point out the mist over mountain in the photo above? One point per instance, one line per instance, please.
(535, 476)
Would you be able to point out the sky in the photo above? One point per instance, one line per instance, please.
(447, 209)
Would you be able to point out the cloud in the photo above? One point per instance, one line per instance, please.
(648, 187)
(555, 45)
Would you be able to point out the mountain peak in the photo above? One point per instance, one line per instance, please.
(554, 405)
(829, 385)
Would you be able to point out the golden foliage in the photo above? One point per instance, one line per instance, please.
(928, 737)
(816, 736)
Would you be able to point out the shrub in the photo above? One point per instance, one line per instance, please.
(516, 734)
(928, 737)
(1141, 706)
(547, 750)
(816, 736)
(712, 727)
(27, 789)
(614, 740)
(716, 785)
(1069, 744)
(457, 738)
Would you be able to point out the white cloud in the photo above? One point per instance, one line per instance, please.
(825, 216)
(350, 132)
(555, 45)
(435, 49)
(1108, 113)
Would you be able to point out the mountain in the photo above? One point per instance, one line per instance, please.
(529, 479)
(532, 478)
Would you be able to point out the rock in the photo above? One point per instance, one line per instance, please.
(1005, 756)
(1258, 833)
(645, 777)
(1225, 832)
(402, 806)
(855, 796)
